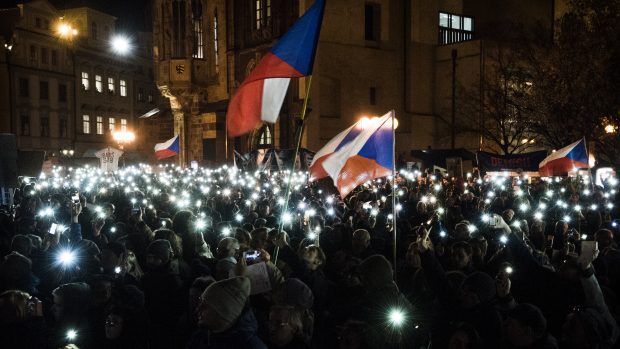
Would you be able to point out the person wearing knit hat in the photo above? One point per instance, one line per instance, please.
(159, 252)
(524, 326)
(230, 321)
(376, 271)
(476, 289)
(223, 302)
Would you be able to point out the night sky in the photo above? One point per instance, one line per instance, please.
(133, 15)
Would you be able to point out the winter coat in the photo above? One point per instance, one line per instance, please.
(243, 334)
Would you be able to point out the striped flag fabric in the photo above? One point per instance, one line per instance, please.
(260, 96)
(567, 159)
(360, 154)
(167, 149)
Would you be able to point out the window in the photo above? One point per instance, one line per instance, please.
(44, 56)
(150, 97)
(44, 90)
(45, 125)
(140, 95)
(373, 96)
(111, 124)
(123, 84)
(179, 28)
(265, 140)
(455, 28)
(25, 124)
(85, 124)
(216, 49)
(98, 83)
(62, 126)
(262, 13)
(37, 22)
(62, 92)
(46, 24)
(54, 57)
(198, 39)
(123, 125)
(33, 54)
(85, 81)
(99, 125)
(111, 85)
(93, 30)
(372, 28)
(24, 87)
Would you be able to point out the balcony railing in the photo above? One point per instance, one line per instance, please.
(451, 36)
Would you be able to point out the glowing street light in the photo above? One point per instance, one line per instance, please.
(65, 30)
(123, 137)
(120, 44)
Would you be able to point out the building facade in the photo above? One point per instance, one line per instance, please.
(68, 89)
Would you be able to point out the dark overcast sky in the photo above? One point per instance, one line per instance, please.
(132, 14)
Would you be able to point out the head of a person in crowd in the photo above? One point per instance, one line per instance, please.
(465, 336)
(461, 231)
(175, 241)
(198, 286)
(413, 256)
(313, 257)
(115, 323)
(260, 223)
(222, 303)
(263, 209)
(113, 255)
(159, 254)
(293, 292)
(14, 306)
(477, 288)
(108, 210)
(22, 244)
(376, 272)
(165, 223)
(561, 229)
(461, 255)
(479, 246)
(360, 241)
(524, 325)
(260, 239)
(508, 215)
(182, 223)
(421, 208)
(285, 324)
(101, 289)
(243, 237)
(586, 327)
(72, 302)
(15, 272)
(247, 227)
(605, 239)
(227, 247)
(359, 335)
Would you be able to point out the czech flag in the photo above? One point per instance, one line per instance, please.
(360, 154)
(167, 149)
(260, 96)
(565, 160)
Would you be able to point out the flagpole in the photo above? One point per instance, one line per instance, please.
(393, 186)
(298, 132)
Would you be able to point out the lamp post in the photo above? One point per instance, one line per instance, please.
(123, 138)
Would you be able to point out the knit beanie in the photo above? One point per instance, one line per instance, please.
(228, 298)
(482, 285)
(376, 271)
(161, 249)
(530, 316)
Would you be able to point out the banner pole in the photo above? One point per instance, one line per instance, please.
(394, 186)
(298, 132)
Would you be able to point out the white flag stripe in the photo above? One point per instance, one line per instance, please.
(166, 144)
(274, 91)
(559, 154)
(330, 147)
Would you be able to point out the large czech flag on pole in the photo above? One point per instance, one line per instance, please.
(260, 96)
(567, 159)
(167, 149)
(361, 154)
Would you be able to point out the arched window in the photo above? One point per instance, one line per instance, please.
(265, 139)
(198, 40)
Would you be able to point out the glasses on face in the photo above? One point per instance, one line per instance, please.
(112, 322)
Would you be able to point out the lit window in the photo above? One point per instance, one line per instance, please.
(99, 125)
(259, 13)
(85, 124)
(215, 42)
(110, 85)
(85, 81)
(98, 83)
(150, 97)
(455, 28)
(140, 95)
(265, 137)
(123, 84)
(123, 125)
(111, 124)
(262, 13)
(198, 39)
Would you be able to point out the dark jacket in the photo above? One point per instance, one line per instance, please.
(241, 335)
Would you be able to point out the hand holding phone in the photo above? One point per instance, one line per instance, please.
(53, 228)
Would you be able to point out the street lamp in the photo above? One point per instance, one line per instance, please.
(365, 122)
(120, 44)
(610, 128)
(65, 30)
(123, 137)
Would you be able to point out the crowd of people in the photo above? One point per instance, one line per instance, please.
(164, 257)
